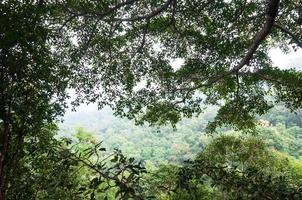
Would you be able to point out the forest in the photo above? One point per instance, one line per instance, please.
(188, 102)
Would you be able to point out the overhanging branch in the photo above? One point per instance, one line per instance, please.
(271, 14)
(104, 15)
(152, 14)
(291, 34)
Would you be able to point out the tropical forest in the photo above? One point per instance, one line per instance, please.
(151, 99)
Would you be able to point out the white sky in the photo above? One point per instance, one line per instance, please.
(291, 60)
(280, 59)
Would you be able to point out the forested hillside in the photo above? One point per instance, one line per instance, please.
(280, 128)
(176, 158)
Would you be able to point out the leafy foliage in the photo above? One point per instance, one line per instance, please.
(104, 172)
(244, 169)
(43, 172)
(53, 169)
(118, 53)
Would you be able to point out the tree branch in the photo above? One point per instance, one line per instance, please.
(75, 14)
(271, 14)
(148, 16)
(118, 6)
(288, 32)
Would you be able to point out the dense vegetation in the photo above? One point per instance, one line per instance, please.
(164, 163)
(280, 129)
(119, 54)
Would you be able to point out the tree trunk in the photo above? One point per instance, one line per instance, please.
(4, 158)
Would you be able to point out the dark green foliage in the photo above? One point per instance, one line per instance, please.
(119, 53)
(51, 169)
(42, 171)
(242, 169)
(108, 172)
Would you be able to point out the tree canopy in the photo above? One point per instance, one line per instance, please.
(126, 52)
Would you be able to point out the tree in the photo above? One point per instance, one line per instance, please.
(224, 51)
(243, 168)
(33, 81)
(65, 169)
(108, 52)
(44, 171)
(105, 173)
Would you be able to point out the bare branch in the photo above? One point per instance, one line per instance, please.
(143, 42)
(260, 75)
(103, 16)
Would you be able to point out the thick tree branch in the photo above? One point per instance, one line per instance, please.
(271, 14)
(288, 32)
(272, 11)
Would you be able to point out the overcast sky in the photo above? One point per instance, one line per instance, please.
(291, 60)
